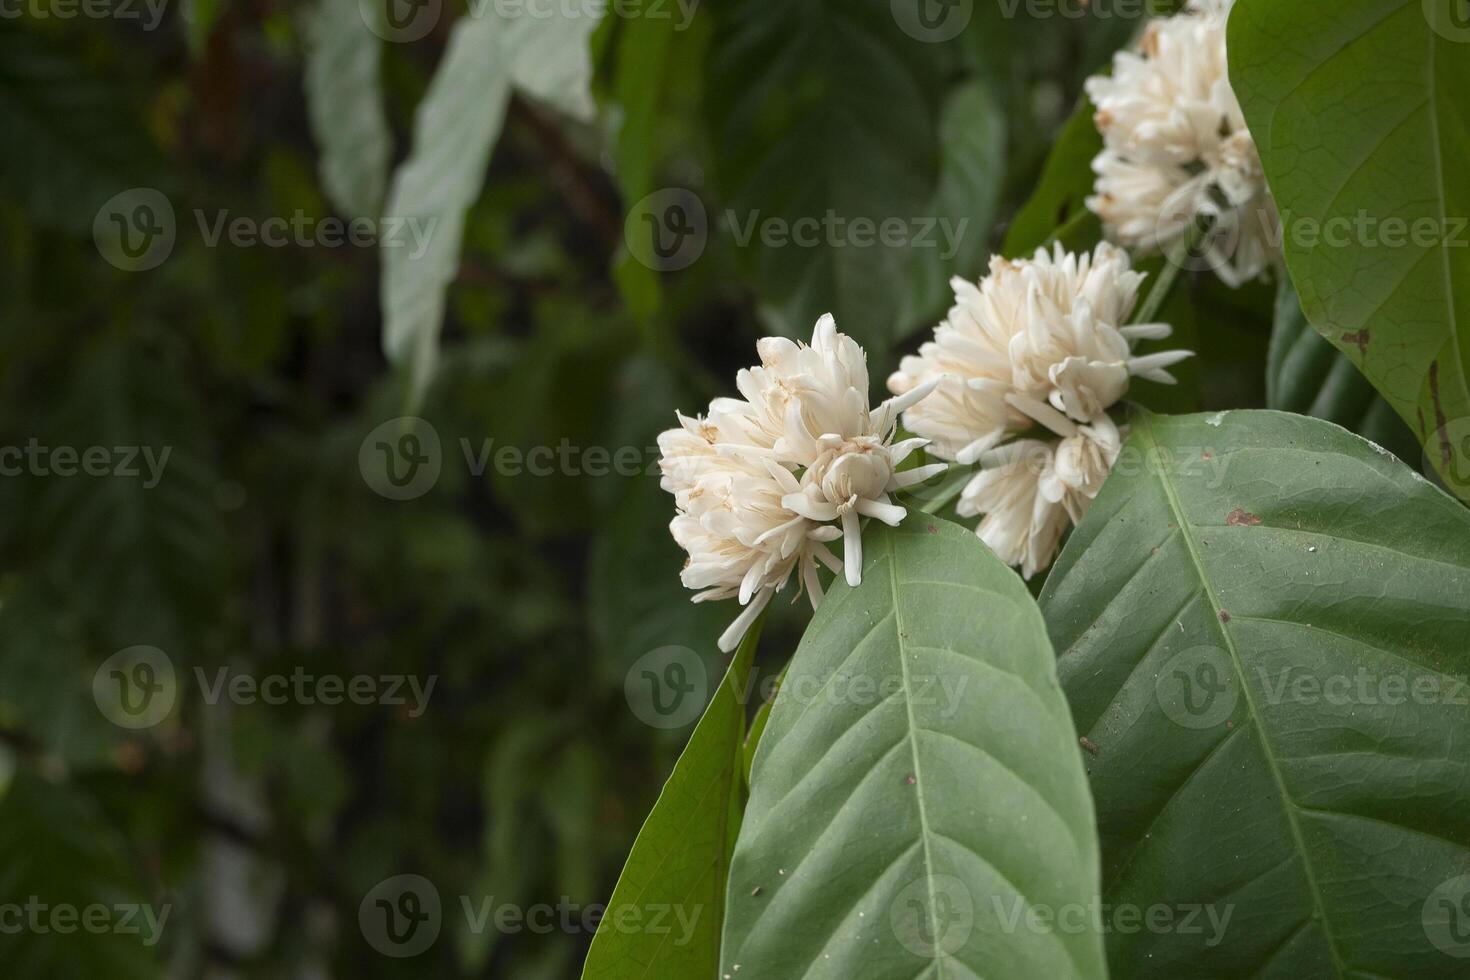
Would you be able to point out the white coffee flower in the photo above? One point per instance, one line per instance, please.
(1072, 345)
(1020, 525)
(1039, 342)
(1032, 490)
(1052, 327)
(1176, 149)
(758, 480)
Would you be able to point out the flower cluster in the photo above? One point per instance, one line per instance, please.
(1176, 152)
(1038, 343)
(763, 482)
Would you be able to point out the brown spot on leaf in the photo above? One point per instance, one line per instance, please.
(1240, 517)
(1207, 456)
(1088, 744)
(1358, 337)
(910, 779)
(1224, 616)
(933, 529)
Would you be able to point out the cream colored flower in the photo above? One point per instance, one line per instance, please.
(758, 480)
(1176, 150)
(1043, 342)
(1072, 346)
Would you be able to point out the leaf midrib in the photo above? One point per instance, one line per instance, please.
(919, 784)
(1146, 426)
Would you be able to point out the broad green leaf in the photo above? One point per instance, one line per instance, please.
(455, 129)
(918, 791)
(1242, 621)
(1370, 183)
(824, 114)
(681, 858)
(345, 102)
(57, 849)
(1307, 375)
(72, 140)
(1057, 208)
(972, 137)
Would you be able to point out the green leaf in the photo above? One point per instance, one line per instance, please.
(1057, 209)
(681, 858)
(823, 112)
(918, 791)
(1344, 160)
(72, 140)
(345, 102)
(56, 846)
(1306, 375)
(1213, 614)
(455, 129)
(972, 137)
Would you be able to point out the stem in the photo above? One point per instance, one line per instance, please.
(1162, 287)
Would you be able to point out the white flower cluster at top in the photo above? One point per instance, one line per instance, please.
(1035, 343)
(1176, 151)
(761, 483)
